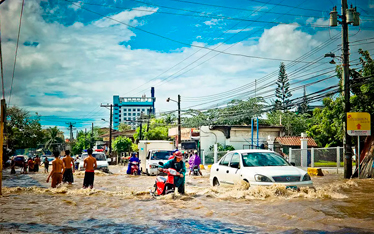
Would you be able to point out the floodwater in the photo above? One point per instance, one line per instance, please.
(121, 203)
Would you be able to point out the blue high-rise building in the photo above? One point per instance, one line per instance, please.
(129, 109)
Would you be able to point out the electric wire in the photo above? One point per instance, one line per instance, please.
(15, 56)
(250, 84)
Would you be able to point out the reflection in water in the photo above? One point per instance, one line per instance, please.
(109, 226)
(121, 203)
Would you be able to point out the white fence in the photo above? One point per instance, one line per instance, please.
(317, 157)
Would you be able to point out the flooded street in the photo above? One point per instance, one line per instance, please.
(121, 203)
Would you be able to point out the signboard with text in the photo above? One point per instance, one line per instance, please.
(358, 124)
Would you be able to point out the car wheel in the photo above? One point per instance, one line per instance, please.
(215, 182)
(146, 172)
(249, 185)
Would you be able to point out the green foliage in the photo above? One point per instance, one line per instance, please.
(123, 127)
(122, 144)
(237, 112)
(54, 138)
(82, 142)
(23, 131)
(293, 123)
(158, 130)
(221, 147)
(282, 92)
(134, 147)
(327, 125)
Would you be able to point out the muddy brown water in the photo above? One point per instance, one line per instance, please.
(121, 203)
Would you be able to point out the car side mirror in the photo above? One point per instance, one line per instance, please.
(160, 163)
(293, 164)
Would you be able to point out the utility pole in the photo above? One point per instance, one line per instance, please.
(149, 119)
(348, 16)
(85, 134)
(179, 121)
(71, 125)
(255, 88)
(2, 124)
(347, 104)
(110, 127)
(92, 135)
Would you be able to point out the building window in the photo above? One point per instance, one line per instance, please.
(133, 114)
(138, 114)
(138, 109)
(130, 110)
(143, 109)
(124, 114)
(133, 109)
(134, 118)
(125, 109)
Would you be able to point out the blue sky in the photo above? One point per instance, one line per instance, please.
(70, 59)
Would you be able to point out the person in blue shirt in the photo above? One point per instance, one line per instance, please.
(134, 158)
(177, 164)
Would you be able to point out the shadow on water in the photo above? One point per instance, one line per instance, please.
(20, 180)
(108, 226)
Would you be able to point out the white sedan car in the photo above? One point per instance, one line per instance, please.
(258, 168)
(101, 160)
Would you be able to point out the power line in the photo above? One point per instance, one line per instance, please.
(1, 65)
(15, 56)
(164, 80)
(311, 52)
(184, 43)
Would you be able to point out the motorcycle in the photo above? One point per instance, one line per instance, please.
(162, 185)
(134, 168)
(196, 170)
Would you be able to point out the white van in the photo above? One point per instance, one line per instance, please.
(153, 152)
(101, 160)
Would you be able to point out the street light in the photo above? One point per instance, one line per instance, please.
(179, 117)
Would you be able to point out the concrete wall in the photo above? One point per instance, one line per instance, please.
(239, 137)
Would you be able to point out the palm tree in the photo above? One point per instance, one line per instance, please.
(53, 138)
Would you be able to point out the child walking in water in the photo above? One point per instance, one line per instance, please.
(57, 169)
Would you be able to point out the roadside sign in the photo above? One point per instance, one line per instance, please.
(358, 124)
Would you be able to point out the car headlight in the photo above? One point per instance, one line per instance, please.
(262, 178)
(306, 177)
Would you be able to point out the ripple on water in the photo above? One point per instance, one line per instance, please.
(109, 226)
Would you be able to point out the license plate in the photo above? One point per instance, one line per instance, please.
(291, 187)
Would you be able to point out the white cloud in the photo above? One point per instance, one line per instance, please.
(212, 22)
(76, 6)
(86, 65)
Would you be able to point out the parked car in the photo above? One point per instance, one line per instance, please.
(19, 160)
(102, 163)
(258, 168)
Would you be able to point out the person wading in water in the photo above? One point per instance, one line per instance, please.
(68, 171)
(57, 168)
(90, 165)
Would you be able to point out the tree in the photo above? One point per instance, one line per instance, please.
(158, 130)
(303, 107)
(122, 144)
(54, 138)
(22, 130)
(123, 127)
(237, 112)
(326, 125)
(82, 142)
(282, 92)
(293, 123)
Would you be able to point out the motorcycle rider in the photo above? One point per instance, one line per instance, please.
(195, 161)
(177, 164)
(134, 158)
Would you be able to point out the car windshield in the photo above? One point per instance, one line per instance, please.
(98, 156)
(161, 155)
(261, 159)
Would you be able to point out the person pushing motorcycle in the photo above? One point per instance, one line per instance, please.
(177, 164)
